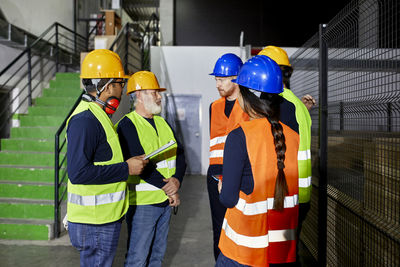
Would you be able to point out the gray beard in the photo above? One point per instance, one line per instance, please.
(152, 107)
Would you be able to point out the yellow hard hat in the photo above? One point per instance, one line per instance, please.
(143, 80)
(102, 63)
(277, 54)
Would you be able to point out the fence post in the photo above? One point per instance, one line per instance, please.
(9, 32)
(56, 191)
(341, 115)
(126, 49)
(29, 77)
(389, 117)
(57, 49)
(323, 144)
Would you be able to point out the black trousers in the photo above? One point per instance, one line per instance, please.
(217, 212)
(303, 210)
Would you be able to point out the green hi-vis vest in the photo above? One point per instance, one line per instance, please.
(98, 204)
(141, 192)
(304, 155)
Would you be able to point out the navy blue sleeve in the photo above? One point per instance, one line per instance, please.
(87, 144)
(209, 121)
(130, 144)
(236, 171)
(288, 115)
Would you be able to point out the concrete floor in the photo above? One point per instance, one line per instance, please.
(189, 240)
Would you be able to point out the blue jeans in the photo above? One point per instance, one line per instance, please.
(96, 244)
(224, 261)
(147, 235)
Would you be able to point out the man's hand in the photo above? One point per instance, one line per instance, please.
(136, 164)
(308, 101)
(219, 186)
(172, 186)
(174, 200)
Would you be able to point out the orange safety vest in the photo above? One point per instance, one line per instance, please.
(220, 126)
(253, 233)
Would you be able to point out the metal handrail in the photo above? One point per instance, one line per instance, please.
(57, 166)
(149, 33)
(34, 53)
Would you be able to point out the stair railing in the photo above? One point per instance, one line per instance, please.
(149, 37)
(128, 48)
(60, 172)
(57, 48)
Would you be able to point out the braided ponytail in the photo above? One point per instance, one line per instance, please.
(281, 187)
(268, 106)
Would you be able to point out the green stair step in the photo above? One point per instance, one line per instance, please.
(56, 101)
(26, 209)
(27, 145)
(35, 132)
(67, 76)
(61, 92)
(18, 158)
(27, 190)
(41, 121)
(48, 110)
(28, 174)
(67, 84)
(24, 229)
(37, 145)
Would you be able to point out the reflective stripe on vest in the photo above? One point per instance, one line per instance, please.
(259, 241)
(143, 187)
(304, 157)
(305, 182)
(171, 164)
(98, 204)
(96, 200)
(254, 233)
(220, 126)
(140, 192)
(217, 154)
(218, 140)
(263, 206)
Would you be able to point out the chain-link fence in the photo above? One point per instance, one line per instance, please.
(351, 67)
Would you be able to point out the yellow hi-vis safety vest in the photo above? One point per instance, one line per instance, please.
(98, 204)
(141, 192)
(304, 155)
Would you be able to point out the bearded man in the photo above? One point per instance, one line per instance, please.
(155, 191)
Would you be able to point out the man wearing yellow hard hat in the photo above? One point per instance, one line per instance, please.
(152, 193)
(97, 172)
(303, 118)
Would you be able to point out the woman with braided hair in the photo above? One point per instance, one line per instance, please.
(260, 174)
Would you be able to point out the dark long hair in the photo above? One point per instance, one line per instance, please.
(286, 74)
(268, 106)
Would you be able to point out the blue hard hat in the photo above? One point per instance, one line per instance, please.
(262, 74)
(227, 65)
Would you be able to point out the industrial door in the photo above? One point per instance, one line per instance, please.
(182, 112)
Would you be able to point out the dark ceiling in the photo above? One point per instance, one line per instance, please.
(220, 22)
(282, 23)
